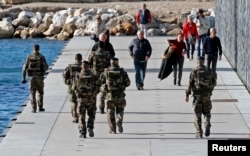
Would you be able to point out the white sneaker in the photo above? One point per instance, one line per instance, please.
(188, 59)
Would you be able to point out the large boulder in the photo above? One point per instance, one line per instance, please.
(48, 18)
(23, 21)
(53, 30)
(59, 18)
(82, 21)
(63, 35)
(79, 11)
(70, 29)
(154, 32)
(36, 20)
(6, 28)
(79, 32)
(28, 14)
(35, 33)
(174, 32)
(24, 33)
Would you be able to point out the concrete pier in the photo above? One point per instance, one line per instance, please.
(157, 120)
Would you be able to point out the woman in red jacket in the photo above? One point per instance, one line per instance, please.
(179, 52)
(190, 34)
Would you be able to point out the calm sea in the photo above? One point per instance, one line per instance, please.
(13, 53)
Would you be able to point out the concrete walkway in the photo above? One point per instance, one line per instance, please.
(157, 121)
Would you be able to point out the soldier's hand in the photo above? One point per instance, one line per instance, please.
(187, 98)
(24, 81)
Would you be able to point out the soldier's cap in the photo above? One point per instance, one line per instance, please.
(85, 63)
(114, 59)
(201, 58)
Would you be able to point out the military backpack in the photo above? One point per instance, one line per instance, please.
(114, 79)
(37, 65)
(86, 84)
(72, 70)
(203, 79)
(101, 60)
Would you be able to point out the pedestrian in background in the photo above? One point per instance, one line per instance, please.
(201, 85)
(213, 50)
(203, 25)
(179, 51)
(69, 74)
(140, 50)
(99, 27)
(190, 34)
(143, 19)
(36, 66)
(115, 80)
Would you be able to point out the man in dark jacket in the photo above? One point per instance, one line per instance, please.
(213, 50)
(140, 50)
(107, 45)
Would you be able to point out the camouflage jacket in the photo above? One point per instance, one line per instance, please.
(35, 65)
(99, 60)
(123, 81)
(69, 76)
(192, 87)
(91, 88)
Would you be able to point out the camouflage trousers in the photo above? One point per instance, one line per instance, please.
(83, 108)
(115, 112)
(73, 102)
(202, 105)
(36, 92)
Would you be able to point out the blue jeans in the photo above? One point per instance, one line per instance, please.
(201, 39)
(188, 45)
(140, 72)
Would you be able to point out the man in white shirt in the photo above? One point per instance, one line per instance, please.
(203, 25)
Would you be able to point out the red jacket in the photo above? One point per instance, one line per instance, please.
(192, 29)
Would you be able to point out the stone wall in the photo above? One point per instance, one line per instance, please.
(232, 23)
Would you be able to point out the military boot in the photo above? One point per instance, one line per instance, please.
(82, 134)
(120, 128)
(198, 135)
(41, 109)
(91, 132)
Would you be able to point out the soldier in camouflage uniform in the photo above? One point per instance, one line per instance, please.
(86, 87)
(68, 77)
(201, 84)
(36, 67)
(99, 60)
(115, 80)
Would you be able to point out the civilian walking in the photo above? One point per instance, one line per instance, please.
(143, 19)
(140, 50)
(179, 50)
(203, 24)
(190, 34)
(213, 50)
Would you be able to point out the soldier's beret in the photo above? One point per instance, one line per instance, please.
(114, 59)
(85, 62)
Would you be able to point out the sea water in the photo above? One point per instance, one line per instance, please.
(13, 53)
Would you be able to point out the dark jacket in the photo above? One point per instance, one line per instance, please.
(140, 49)
(107, 47)
(212, 46)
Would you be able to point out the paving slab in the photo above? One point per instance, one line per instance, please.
(157, 120)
